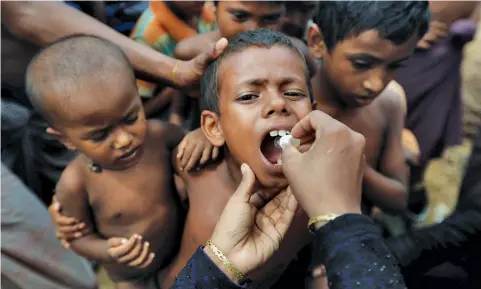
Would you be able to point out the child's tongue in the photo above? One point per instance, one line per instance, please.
(269, 150)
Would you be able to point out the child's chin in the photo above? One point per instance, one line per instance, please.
(271, 182)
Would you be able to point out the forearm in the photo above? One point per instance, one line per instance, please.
(354, 254)
(425, 248)
(386, 193)
(92, 247)
(45, 22)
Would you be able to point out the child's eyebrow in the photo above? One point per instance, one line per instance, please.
(373, 58)
(262, 81)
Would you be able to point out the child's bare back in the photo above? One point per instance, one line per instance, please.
(141, 201)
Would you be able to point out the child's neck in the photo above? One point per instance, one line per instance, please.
(235, 177)
(327, 99)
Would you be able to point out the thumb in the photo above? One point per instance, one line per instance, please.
(203, 59)
(289, 153)
(246, 186)
(116, 241)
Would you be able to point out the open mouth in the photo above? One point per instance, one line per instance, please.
(270, 148)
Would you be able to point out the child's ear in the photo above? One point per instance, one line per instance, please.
(62, 138)
(210, 125)
(315, 42)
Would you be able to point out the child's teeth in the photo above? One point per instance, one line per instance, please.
(282, 132)
(279, 161)
(273, 133)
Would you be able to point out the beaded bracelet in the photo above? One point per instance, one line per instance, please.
(224, 260)
(323, 218)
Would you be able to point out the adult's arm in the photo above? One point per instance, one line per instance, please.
(350, 247)
(42, 22)
(425, 248)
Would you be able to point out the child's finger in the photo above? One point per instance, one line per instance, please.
(144, 254)
(206, 153)
(61, 220)
(194, 158)
(181, 148)
(65, 244)
(69, 229)
(215, 153)
(187, 155)
(132, 254)
(123, 249)
(148, 261)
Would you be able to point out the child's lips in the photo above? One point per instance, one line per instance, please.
(130, 154)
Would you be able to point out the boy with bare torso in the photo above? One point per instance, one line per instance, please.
(360, 54)
(120, 185)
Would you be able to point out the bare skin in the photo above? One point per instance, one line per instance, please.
(381, 124)
(145, 204)
(191, 47)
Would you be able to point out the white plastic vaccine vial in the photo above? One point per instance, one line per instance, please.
(283, 141)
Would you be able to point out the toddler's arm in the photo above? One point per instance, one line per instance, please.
(71, 194)
(132, 252)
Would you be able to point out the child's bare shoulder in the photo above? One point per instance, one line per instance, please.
(189, 48)
(72, 181)
(163, 131)
(393, 99)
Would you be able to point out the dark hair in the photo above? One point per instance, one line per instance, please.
(394, 20)
(66, 61)
(210, 81)
(272, 2)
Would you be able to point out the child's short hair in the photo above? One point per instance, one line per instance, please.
(275, 2)
(394, 20)
(64, 63)
(209, 85)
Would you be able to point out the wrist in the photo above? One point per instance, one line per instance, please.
(231, 275)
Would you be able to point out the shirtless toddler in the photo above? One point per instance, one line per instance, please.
(120, 185)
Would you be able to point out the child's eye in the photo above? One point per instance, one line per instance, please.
(131, 119)
(395, 66)
(100, 136)
(240, 16)
(246, 97)
(271, 19)
(361, 64)
(294, 94)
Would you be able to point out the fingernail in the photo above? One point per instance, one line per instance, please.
(56, 206)
(78, 235)
(123, 241)
(139, 237)
(82, 226)
(243, 169)
(147, 244)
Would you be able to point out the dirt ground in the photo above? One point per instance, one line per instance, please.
(443, 176)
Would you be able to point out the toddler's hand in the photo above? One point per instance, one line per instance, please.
(195, 149)
(133, 252)
(67, 228)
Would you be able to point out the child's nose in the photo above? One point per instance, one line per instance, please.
(374, 84)
(123, 139)
(252, 25)
(276, 105)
